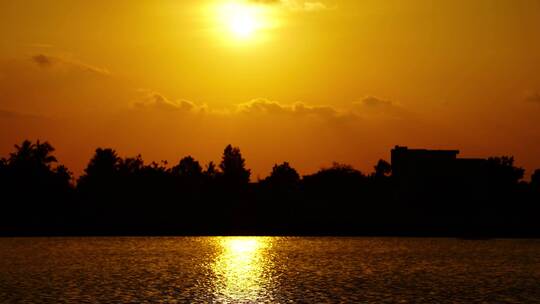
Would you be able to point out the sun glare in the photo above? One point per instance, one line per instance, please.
(242, 20)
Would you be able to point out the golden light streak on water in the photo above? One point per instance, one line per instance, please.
(240, 267)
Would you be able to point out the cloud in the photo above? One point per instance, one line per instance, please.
(48, 61)
(266, 1)
(259, 107)
(9, 114)
(18, 115)
(376, 108)
(42, 60)
(372, 101)
(39, 45)
(533, 97)
(156, 101)
(314, 6)
(297, 5)
(163, 127)
(49, 84)
(264, 106)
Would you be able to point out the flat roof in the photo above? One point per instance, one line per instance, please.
(404, 148)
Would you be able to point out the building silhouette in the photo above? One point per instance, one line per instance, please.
(435, 174)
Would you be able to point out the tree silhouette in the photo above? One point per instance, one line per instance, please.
(283, 176)
(118, 196)
(338, 170)
(535, 180)
(3, 174)
(382, 168)
(104, 163)
(35, 190)
(337, 180)
(43, 153)
(233, 167)
(211, 171)
(502, 172)
(63, 174)
(35, 161)
(188, 168)
(129, 165)
(101, 172)
(3, 165)
(23, 154)
(29, 155)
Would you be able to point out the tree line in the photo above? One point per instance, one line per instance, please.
(126, 196)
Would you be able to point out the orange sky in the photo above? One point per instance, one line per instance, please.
(310, 82)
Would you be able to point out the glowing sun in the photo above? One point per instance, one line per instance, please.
(242, 20)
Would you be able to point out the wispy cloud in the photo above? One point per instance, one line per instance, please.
(533, 97)
(372, 101)
(42, 60)
(376, 108)
(18, 115)
(39, 45)
(47, 61)
(297, 5)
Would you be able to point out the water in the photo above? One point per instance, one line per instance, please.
(264, 269)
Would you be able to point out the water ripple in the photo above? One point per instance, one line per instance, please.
(268, 270)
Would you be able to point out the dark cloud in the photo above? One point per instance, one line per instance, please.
(42, 60)
(46, 61)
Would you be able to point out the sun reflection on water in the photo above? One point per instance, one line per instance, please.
(242, 267)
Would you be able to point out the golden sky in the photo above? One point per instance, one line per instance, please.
(309, 82)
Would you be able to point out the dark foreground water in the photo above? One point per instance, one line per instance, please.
(265, 269)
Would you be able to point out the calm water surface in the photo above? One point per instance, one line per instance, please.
(265, 269)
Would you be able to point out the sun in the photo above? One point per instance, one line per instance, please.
(242, 20)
